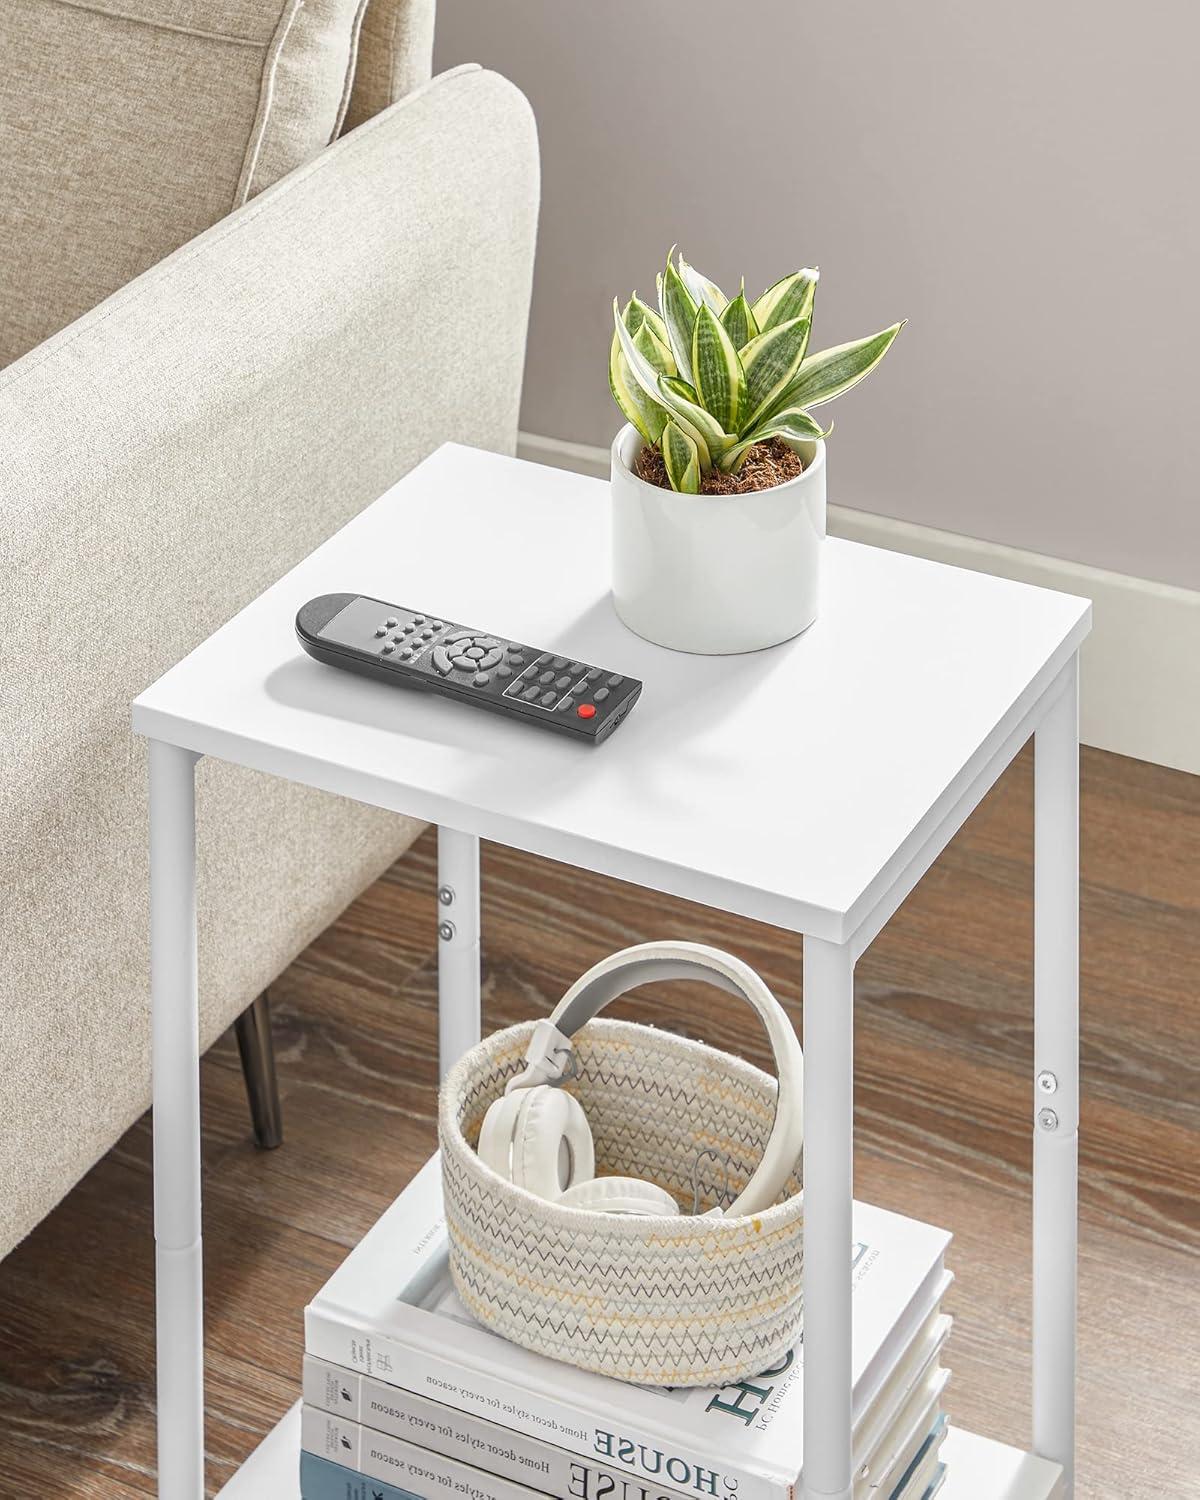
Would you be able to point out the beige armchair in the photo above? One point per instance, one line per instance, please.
(164, 458)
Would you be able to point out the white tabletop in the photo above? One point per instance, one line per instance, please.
(786, 784)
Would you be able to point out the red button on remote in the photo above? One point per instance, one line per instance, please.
(586, 710)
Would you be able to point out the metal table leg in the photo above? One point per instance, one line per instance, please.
(458, 946)
(176, 1064)
(1056, 1069)
(828, 1220)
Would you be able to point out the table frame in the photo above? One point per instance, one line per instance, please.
(1052, 719)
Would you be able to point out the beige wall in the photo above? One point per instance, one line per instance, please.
(1018, 179)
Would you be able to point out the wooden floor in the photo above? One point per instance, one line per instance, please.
(943, 1089)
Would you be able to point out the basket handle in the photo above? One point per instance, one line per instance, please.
(550, 1053)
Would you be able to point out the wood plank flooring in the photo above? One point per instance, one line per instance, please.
(943, 1080)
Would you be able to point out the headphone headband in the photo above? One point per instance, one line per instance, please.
(549, 1053)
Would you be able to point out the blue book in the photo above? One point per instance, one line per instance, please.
(919, 1462)
(322, 1479)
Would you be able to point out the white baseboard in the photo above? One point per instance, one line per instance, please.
(1140, 674)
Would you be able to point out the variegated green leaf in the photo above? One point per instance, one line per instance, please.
(704, 293)
(738, 321)
(646, 413)
(697, 422)
(770, 362)
(787, 299)
(679, 314)
(830, 372)
(648, 344)
(648, 416)
(636, 313)
(648, 379)
(793, 426)
(679, 387)
(716, 370)
(681, 459)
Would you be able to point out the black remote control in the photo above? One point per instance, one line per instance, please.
(414, 650)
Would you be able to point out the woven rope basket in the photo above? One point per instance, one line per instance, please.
(660, 1301)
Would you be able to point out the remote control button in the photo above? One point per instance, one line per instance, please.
(586, 710)
(439, 624)
(391, 623)
(593, 674)
(388, 649)
(405, 653)
(441, 661)
(615, 680)
(482, 679)
(600, 694)
(566, 705)
(516, 658)
(381, 631)
(459, 635)
(548, 699)
(427, 635)
(476, 653)
(503, 671)
(530, 694)
(409, 628)
(574, 667)
(489, 643)
(563, 682)
(418, 619)
(491, 659)
(559, 663)
(398, 638)
(546, 677)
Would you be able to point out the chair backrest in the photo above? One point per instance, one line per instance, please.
(395, 56)
(129, 126)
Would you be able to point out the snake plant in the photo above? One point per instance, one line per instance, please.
(706, 377)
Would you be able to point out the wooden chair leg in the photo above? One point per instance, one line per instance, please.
(257, 1051)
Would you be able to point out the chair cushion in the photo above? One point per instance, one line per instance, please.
(395, 56)
(128, 126)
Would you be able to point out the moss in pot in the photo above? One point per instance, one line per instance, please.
(719, 482)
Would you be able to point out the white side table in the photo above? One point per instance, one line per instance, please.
(810, 786)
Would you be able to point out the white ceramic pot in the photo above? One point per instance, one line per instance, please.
(716, 574)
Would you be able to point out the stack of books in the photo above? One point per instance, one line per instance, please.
(405, 1395)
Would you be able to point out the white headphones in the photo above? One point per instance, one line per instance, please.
(537, 1136)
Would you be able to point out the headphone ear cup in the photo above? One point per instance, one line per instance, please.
(552, 1146)
(496, 1136)
(621, 1195)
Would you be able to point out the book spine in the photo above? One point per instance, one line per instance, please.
(632, 1449)
(322, 1479)
(455, 1434)
(408, 1468)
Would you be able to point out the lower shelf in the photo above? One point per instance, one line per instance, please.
(977, 1469)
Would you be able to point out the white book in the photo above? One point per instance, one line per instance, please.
(398, 1470)
(412, 1470)
(390, 1312)
(390, 1410)
(904, 1440)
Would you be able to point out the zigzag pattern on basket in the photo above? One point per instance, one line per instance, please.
(590, 1263)
(687, 1301)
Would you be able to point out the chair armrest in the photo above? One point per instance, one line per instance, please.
(171, 453)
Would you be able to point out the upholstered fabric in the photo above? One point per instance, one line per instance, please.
(161, 461)
(128, 126)
(395, 55)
